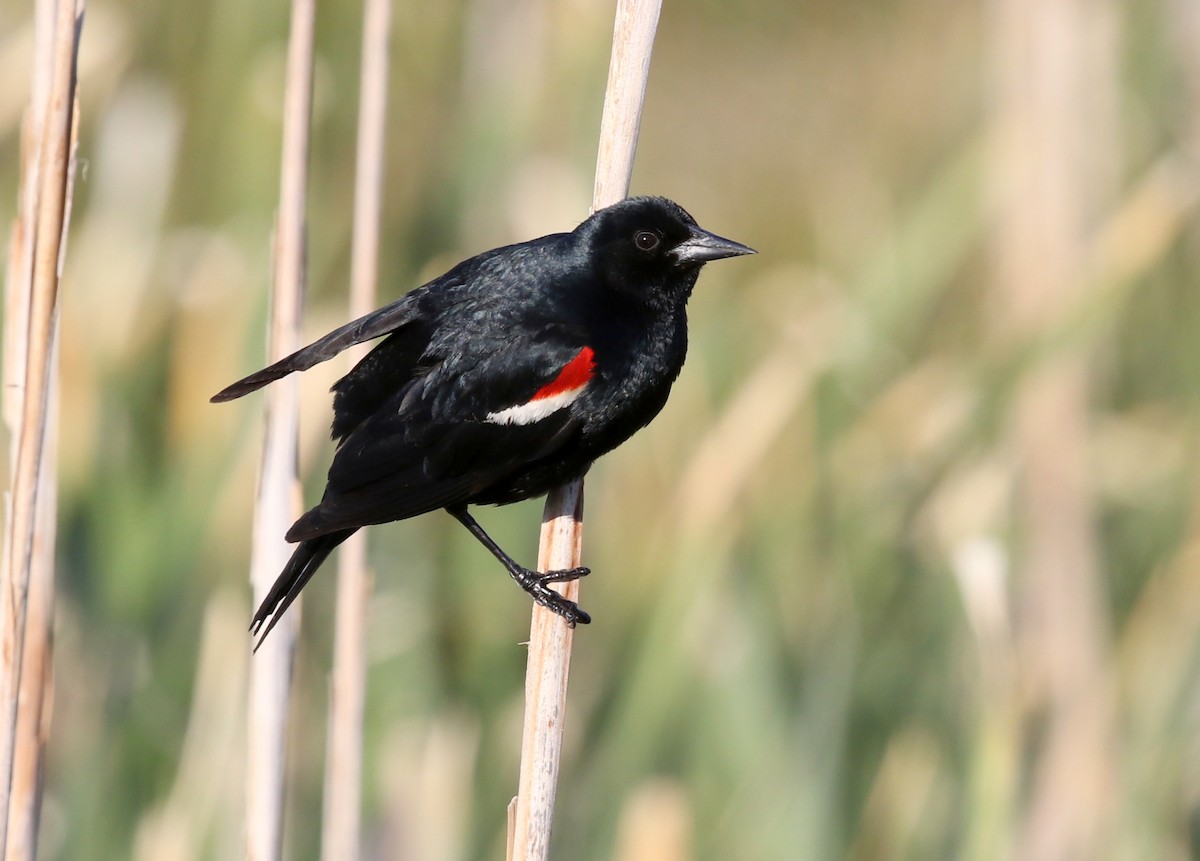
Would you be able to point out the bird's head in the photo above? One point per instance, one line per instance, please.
(652, 244)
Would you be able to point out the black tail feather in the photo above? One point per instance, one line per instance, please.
(305, 561)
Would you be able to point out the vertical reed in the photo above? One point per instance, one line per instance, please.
(1052, 156)
(26, 579)
(562, 528)
(279, 491)
(347, 690)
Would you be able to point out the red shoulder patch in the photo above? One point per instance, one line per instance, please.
(574, 375)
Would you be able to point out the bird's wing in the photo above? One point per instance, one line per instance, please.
(387, 319)
(391, 366)
(505, 269)
(453, 432)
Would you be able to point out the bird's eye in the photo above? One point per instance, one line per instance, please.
(645, 240)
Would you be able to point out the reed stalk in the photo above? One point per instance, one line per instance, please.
(26, 579)
(550, 638)
(1053, 91)
(278, 500)
(342, 813)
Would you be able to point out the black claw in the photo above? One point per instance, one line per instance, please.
(581, 616)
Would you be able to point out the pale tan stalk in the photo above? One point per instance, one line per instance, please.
(347, 690)
(278, 499)
(562, 524)
(1054, 85)
(36, 688)
(36, 697)
(39, 243)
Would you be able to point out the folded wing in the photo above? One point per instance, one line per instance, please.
(452, 431)
(387, 319)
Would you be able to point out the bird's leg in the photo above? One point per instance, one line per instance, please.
(533, 582)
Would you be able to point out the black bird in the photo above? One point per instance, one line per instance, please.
(503, 378)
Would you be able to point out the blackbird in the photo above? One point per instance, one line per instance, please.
(505, 377)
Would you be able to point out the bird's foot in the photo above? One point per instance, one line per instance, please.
(537, 585)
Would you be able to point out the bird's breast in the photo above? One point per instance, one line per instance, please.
(632, 377)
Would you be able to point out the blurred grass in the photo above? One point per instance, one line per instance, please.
(788, 659)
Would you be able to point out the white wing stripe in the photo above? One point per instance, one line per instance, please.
(535, 410)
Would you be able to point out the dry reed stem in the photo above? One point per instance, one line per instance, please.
(278, 499)
(36, 687)
(35, 700)
(1054, 159)
(562, 523)
(36, 697)
(628, 71)
(511, 818)
(343, 767)
(30, 503)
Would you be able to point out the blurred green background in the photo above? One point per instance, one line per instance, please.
(907, 569)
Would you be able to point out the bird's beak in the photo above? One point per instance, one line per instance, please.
(703, 246)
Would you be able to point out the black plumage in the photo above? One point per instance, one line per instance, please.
(503, 378)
